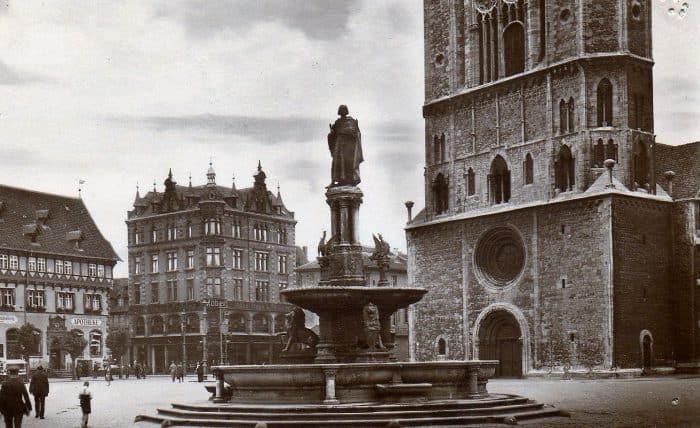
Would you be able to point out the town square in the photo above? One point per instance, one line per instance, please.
(367, 214)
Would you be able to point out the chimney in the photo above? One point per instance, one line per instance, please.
(409, 206)
(610, 164)
(669, 177)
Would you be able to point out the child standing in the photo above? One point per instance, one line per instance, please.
(85, 396)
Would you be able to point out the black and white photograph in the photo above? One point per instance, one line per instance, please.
(349, 213)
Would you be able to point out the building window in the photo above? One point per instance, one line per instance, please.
(137, 294)
(14, 262)
(440, 193)
(7, 297)
(212, 226)
(157, 325)
(190, 289)
(188, 230)
(137, 265)
(171, 232)
(92, 270)
(40, 264)
(262, 291)
(213, 256)
(95, 343)
(154, 263)
(529, 169)
(436, 150)
(140, 328)
(214, 287)
(35, 299)
(171, 257)
(64, 302)
(31, 264)
(611, 150)
(261, 261)
(564, 170)
(283, 285)
(190, 259)
(571, 115)
(67, 267)
(260, 232)
(471, 182)
(599, 154)
(58, 266)
(236, 229)
(155, 292)
(261, 324)
(93, 303)
(282, 263)
(640, 163)
(605, 103)
(4, 261)
(100, 271)
(281, 235)
(172, 290)
(238, 289)
(154, 235)
(499, 181)
(514, 48)
(237, 258)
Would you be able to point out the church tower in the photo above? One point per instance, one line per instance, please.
(525, 100)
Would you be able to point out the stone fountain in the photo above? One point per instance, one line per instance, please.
(348, 376)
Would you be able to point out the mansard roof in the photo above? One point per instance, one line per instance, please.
(684, 160)
(47, 223)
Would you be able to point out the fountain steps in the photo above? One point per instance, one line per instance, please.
(446, 413)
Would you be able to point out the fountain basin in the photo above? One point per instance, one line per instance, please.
(334, 298)
(357, 382)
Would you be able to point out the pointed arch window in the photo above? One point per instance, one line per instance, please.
(611, 150)
(528, 169)
(570, 115)
(563, 113)
(440, 192)
(641, 165)
(605, 103)
(442, 148)
(499, 181)
(471, 185)
(564, 170)
(598, 154)
(436, 150)
(514, 48)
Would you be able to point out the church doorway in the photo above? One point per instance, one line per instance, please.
(646, 353)
(500, 339)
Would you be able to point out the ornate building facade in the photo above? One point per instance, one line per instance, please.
(55, 274)
(206, 264)
(534, 253)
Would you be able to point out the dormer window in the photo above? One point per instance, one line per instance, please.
(41, 217)
(31, 231)
(74, 237)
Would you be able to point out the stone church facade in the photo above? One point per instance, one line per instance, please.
(536, 248)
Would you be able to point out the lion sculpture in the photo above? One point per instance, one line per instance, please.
(297, 333)
(372, 326)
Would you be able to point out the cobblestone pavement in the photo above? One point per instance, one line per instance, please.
(645, 402)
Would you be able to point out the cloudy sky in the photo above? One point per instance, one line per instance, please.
(117, 92)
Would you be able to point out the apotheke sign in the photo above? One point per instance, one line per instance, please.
(86, 322)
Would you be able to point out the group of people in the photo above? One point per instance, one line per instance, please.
(15, 402)
(177, 371)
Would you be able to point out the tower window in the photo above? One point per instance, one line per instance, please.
(605, 103)
(529, 176)
(636, 10)
(440, 192)
(499, 181)
(570, 115)
(564, 170)
(442, 148)
(514, 48)
(640, 161)
(436, 150)
(599, 154)
(563, 112)
(471, 185)
(611, 150)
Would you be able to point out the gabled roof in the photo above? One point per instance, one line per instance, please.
(64, 220)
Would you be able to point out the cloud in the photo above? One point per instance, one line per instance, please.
(8, 76)
(317, 19)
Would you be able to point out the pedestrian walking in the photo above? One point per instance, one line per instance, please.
(108, 375)
(14, 400)
(85, 396)
(180, 372)
(200, 372)
(39, 388)
(173, 371)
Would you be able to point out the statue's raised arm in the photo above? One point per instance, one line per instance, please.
(344, 142)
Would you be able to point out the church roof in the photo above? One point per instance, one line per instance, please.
(48, 223)
(684, 160)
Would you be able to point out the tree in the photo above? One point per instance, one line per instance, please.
(74, 345)
(118, 342)
(28, 338)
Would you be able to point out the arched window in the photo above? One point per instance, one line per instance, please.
(95, 343)
(611, 150)
(641, 165)
(174, 324)
(564, 170)
(529, 175)
(436, 150)
(236, 323)
(499, 181)
(442, 347)
(570, 115)
(12, 343)
(157, 326)
(563, 113)
(261, 324)
(440, 194)
(599, 154)
(140, 327)
(471, 185)
(605, 103)
(442, 148)
(514, 48)
(192, 324)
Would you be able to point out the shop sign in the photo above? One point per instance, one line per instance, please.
(8, 319)
(86, 322)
